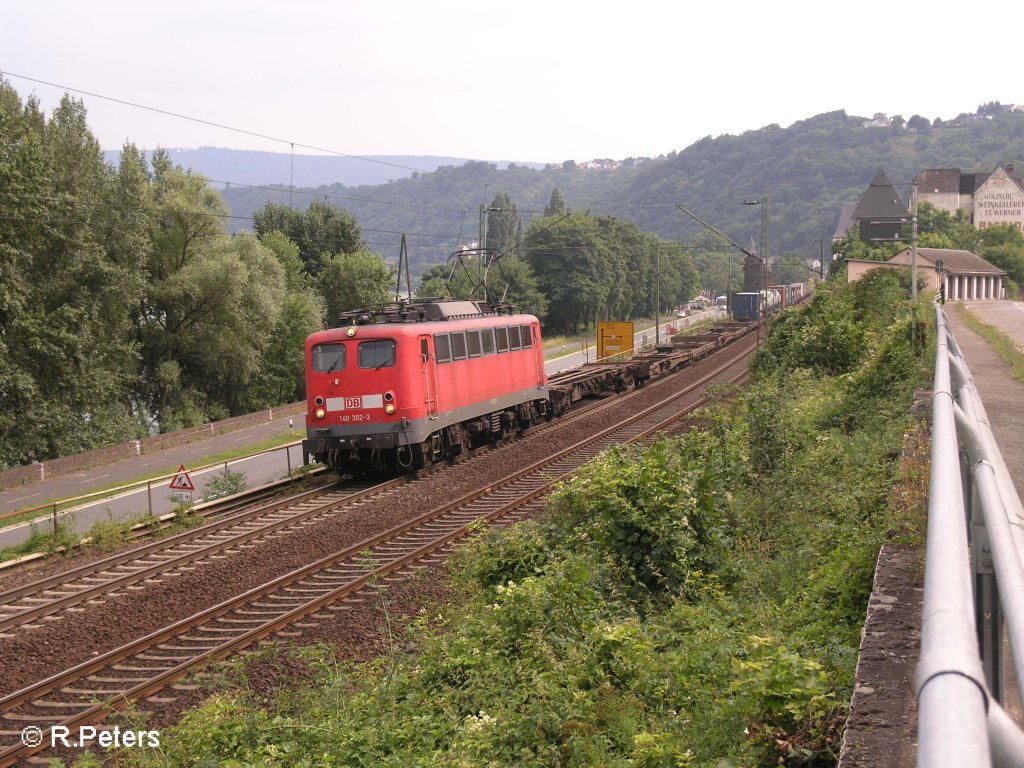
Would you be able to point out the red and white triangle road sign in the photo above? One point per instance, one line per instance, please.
(181, 481)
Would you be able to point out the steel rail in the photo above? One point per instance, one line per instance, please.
(284, 590)
(171, 554)
(71, 593)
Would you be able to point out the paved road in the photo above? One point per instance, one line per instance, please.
(258, 471)
(1001, 394)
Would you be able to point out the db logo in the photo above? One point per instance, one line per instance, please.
(353, 402)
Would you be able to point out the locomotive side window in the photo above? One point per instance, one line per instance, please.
(377, 354)
(527, 338)
(487, 337)
(328, 357)
(513, 337)
(443, 348)
(502, 337)
(473, 343)
(459, 345)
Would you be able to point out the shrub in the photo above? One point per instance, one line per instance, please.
(225, 484)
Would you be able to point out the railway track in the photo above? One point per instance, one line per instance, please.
(86, 693)
(21, 606)
(168, 557)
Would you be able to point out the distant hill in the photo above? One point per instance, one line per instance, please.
(807, 171)
(239, 166)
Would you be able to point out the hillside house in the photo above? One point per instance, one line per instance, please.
(966, 275)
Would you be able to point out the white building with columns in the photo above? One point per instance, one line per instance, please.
(967, 276)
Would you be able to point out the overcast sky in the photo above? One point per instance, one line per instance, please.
(521, 80)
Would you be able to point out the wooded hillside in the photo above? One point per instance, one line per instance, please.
(807, 171)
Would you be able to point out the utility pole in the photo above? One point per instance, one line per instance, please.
(740, 248)
(657, 295)
(763, 299)
(913, 264)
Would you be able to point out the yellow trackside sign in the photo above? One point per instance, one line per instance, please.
(614, 339)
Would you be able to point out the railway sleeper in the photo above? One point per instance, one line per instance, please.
(93, 692)
(126, 681)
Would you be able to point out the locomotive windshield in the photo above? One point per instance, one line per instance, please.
(377, 354)
(328, 357)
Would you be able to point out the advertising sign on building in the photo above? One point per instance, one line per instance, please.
(1000, 200)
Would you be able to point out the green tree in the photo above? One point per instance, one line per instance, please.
(211, 306)
(940, 229)
(351, 280)
(504, 226)
(452, 280)
(322, 230)
(70, 275)
(511, 281)
(571, 262)
(282, 375)
(594, 268)
(556, 205)
(1003, 246)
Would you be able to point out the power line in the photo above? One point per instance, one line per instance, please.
(210, 123)
(289, 142)
(326, 196)
(197, 214)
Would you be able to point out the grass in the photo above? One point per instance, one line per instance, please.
(1004, 346)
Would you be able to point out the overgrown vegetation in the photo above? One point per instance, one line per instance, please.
(226, 483)
(698, 603)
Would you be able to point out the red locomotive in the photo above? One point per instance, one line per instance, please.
(410, 384)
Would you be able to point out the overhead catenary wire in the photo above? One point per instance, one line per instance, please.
(290, 189)
(211, 123)
(159, 209)
(291, 145)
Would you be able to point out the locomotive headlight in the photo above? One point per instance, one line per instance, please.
(320, 413)
(389, 408)
(351, 331)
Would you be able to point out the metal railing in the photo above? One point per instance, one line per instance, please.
(974, 580)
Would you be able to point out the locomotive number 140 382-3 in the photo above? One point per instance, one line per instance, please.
(355, 418)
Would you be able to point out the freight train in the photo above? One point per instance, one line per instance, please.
(747, 307)
(411, 384)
